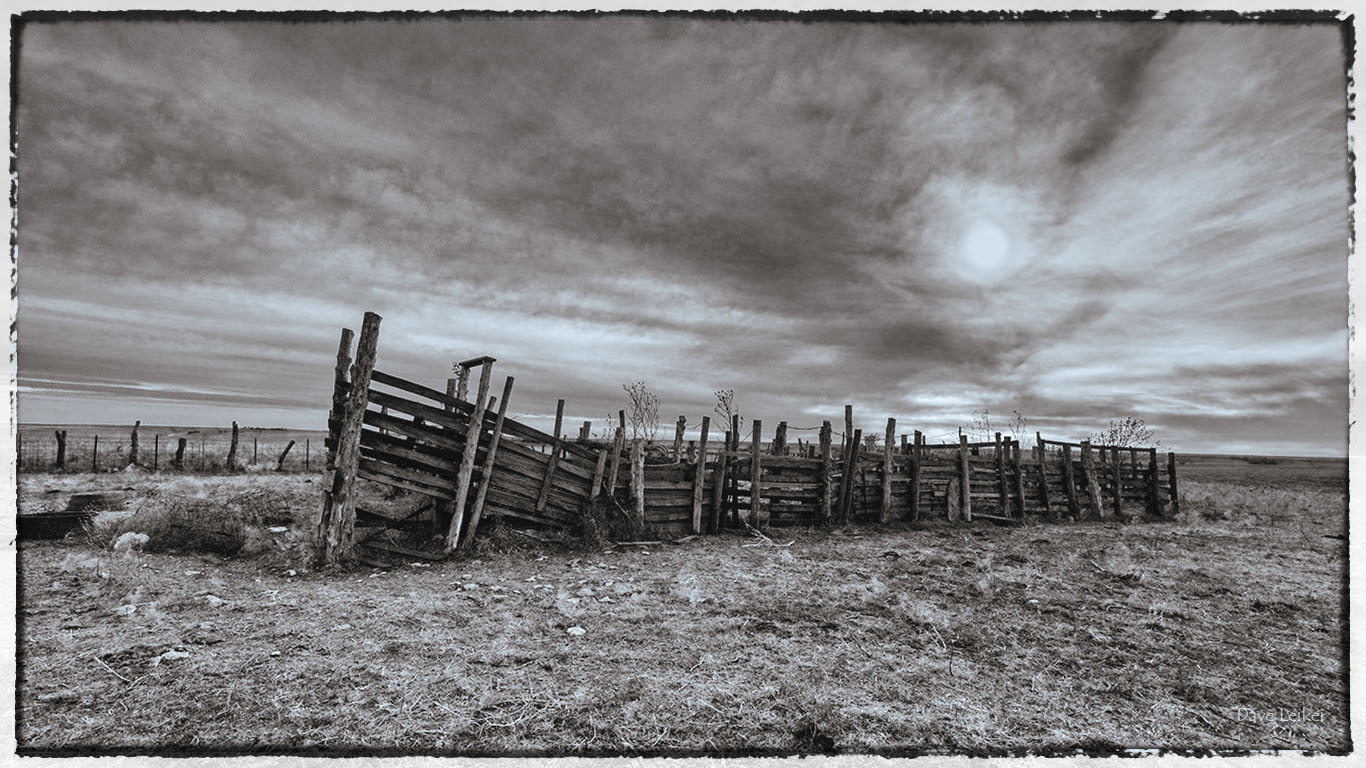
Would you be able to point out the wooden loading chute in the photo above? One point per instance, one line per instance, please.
(468, 461)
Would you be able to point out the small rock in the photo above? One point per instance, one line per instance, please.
(415, 565)
(278, 528)
(539, 559)
(576, 631)
(214, 601)
(291, 572)
(471, 586)
(193, 573)
(1032, 602)
(274, 653)
(605, 599)
(171, 655)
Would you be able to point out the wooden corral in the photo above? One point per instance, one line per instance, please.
(473, 463)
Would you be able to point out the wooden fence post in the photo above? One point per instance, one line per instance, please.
(699, 476)
(337, 525)
(618, 445)
(825, 471)
(718, 490)
(584, 430)
(964, 479)
(1018, 477)
(847, 481)
(1043, 478)
(780, 440)
(340, 388)
(733, 489)
(544, 498)
(306, 454)
(253, 450)
(1116, 471)
(1002, 494)
(1154, 501)
(1171, 483)
(486, 472)
(462, 383)
(466, 471)
(280, 463)
(95, 456)
(755, 471)
(1069, 483)
(1095, 505)
(914, 490)
(133, 445)
(638, 480)
(888, 444)
(596, 490)
(232, 450)
(61, 448)
(156, 452)
(679, 428)
(180, 453)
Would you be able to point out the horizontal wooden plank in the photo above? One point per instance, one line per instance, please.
(404, 457)
(427, 433)
(377, 466)
(386, 479)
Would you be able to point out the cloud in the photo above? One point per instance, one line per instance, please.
(778, 208)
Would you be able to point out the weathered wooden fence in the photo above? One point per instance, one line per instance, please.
(473, 462)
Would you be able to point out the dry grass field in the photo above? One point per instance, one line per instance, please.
(1224, 629)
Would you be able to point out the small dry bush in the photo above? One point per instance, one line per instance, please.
(603, 521)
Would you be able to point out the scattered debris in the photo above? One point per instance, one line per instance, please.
(171, 655)
(214, 601)
(576, 631)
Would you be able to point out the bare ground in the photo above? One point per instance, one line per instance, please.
(1224, 629)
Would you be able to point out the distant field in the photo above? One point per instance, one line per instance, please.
(206, 448)
(1187, 633)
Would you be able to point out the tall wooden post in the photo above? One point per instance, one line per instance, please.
(699, 476)
(1116, 472)
(888, 444)
(848, 423)
(638, 480)
(466, 471)
(341, 387)
(780, 439)
(914, 489)
(1171, 484)
(95, 456)
(733, 490)
(306, 453)
(679, 428)
(1018, 478)
(253, 450)
(848, 480)
(156, 452)
(584, 430)
(964, 479)
(1154, 501)
(180, 453)
(61, 448)
(544, 498)
(232, 448)
(755, 472)
(337, 526)
(133, 445)
(718, 490)
(618, 445)
(1043, 478)
(1002, 495)
(597, 476)
(1095, 505)
(1069, 483)
(825, 440)
(462, 382)
(486, 472)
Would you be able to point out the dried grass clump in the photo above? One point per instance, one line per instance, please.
(602, 521)
(184, 524)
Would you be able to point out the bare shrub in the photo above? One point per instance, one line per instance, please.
(642, 410)
(1130, 431)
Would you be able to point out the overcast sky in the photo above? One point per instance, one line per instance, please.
(1081, 221)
